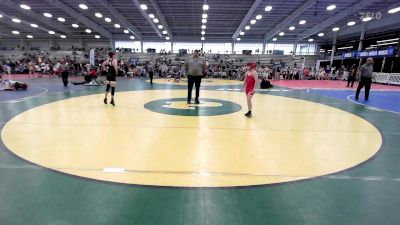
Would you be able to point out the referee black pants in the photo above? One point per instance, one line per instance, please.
(365, 81)
(151, 76)
(64, 76)
(196, 80)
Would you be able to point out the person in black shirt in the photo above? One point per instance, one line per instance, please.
(110, 66)
(352, 75)
(64, 72)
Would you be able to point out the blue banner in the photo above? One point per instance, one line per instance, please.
(364, 54)
(372, 53)
(348, 55)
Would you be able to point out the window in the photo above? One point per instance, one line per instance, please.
(128, 44)
(190, 46)
(222, 48)
(312, 49)
(302, 49)
(306, 49)
(278, 49)
(256, 48)
(158, 46)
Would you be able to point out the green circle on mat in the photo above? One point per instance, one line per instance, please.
(179, 106)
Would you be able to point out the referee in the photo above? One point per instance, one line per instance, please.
(64, 72)
(196, 68)
(366, 71)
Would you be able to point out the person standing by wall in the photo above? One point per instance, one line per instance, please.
(328, 71)
(352, 75)
(31, 67)
(366, 72)
(196, 68)
(64, 67)
(151, 71)
(111, 68)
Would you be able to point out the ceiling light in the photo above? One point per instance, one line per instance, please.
(29, 36)
(204, 20)
(395, 10)
(247, 27)
(16, 20)
(98, 15)
(15, 32)
(348, 47)
(97, 36)
(390, 43)
(203, 38)
(83, 6)
(351, 23)
(151, 16)
(366, 19)
(143, 6)
(310, 40)
(51, 32)
(108, 20)
(132, 37)
(258, 17)
(117, 25)
(302, 22)
(335, 29)
(321, 34)
(34, 25)
(274, 39)
(126, 31)
(238, 39)
(203, 27)
(281, 33)
(205, 7)
(164, 32)
(331, 7)
(241, 33)
(47, 15)
(394, 39)
(203, 32)
(252, 21)
(268, 8)
(160, 26)
(27, 7)
(88, 31)
(74, 25)
(1, 16)
(167, 38)
(204, 16)
(61, 19)
(63, 36)
(155, 20)
(292, 28)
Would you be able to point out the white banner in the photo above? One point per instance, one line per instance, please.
(91, 57)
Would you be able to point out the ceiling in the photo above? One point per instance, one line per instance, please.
(182, 19)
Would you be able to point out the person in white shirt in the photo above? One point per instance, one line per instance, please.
(196, 69)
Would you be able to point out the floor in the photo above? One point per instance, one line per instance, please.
(308, 155)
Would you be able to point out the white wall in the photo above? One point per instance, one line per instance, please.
(45, 44)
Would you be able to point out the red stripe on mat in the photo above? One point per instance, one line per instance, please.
(328, 84)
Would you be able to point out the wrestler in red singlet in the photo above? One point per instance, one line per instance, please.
(249, 85)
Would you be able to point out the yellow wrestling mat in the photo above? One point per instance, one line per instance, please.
(145, 139)
(204, 82)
